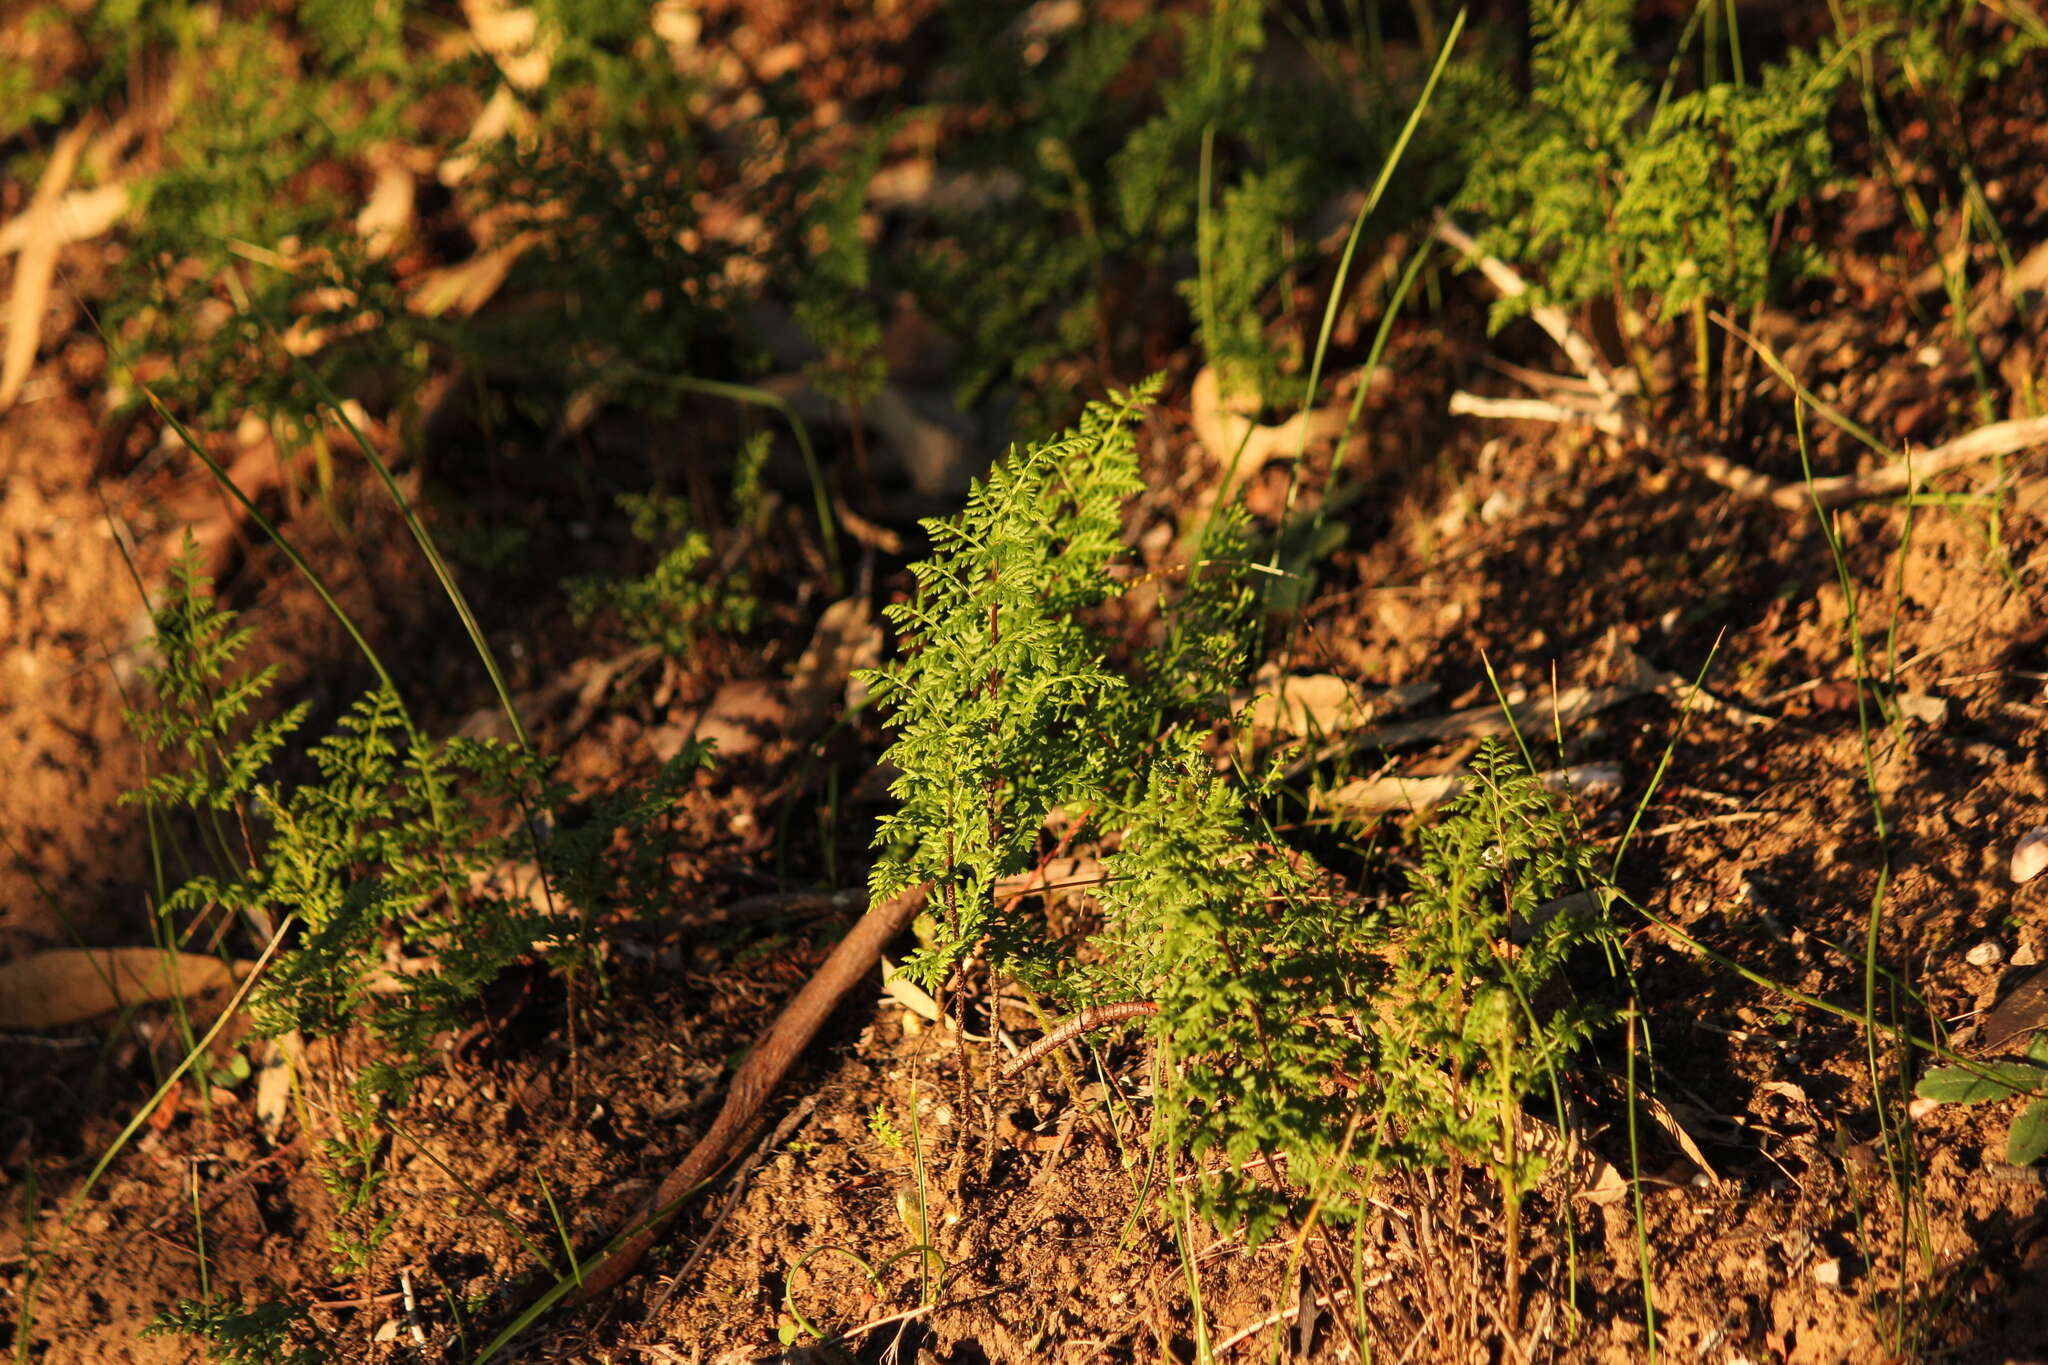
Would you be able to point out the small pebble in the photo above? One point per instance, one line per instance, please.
(1985, 954)
(2030, 855)
(1828, 1272)
(2025, 955)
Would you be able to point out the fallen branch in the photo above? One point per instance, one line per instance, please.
(1547, 316)
(1465, 404)
(755, 1081)
(1560, 709)
(41, 236)
(1061, 874)
(1479, 722)
(1611, 411)
(1384, 795)
(1986, 442)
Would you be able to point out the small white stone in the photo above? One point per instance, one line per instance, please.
(387, 1330)
(2030, 854)
(1985, 954)
(1923, 708)
(1828, 1272)
(1920, 1109)
(1499, 506)
(2025, 955)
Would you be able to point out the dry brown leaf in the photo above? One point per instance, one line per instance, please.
(874, 536)
(42, 236)
(386, 218)
(848, 637)
(1321, 703)
(2030, 274)
(463, 288)
(910, 995)
(744, 715)
(80, 215)
(501, 113)
(1223, 425)
(680, 27)
(1586, 1173)
(274, 1067)
(167, 1108)
(1676, 1131)
(511, 35)
(67, 985)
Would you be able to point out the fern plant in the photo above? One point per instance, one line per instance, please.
(999, 699)
(1261, 974)
(270, 1333)
(1296, 1026)
(1948, 48)
(1648, 200)
(676, 600)
(384, 840)
(387, 843)
(1479, 1014)
(202, 720)
(241, 242)
(1109, 134)
(391, 842)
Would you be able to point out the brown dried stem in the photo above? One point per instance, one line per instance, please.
(756, 1080)
(1092, 1018)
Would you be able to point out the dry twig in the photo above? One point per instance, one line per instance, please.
(1092, 1018)
(1612, 411)
(755, 1081)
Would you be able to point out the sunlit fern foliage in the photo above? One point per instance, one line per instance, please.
(1298, 1025)
(274, 1333)
(1947, 48)
(1503, 963)
(241, 250)
(202, 718)
(1612, 191)
(1089, 182)
(994, 699)
(376, 842)
(1263, 977)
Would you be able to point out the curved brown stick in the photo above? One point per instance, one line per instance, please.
(1092, 1018)
(757, 1079)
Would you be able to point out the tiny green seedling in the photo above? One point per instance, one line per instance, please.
(885, 1130)
(2027, 1140)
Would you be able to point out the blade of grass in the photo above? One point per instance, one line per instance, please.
(762, 398)
(449, 587)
